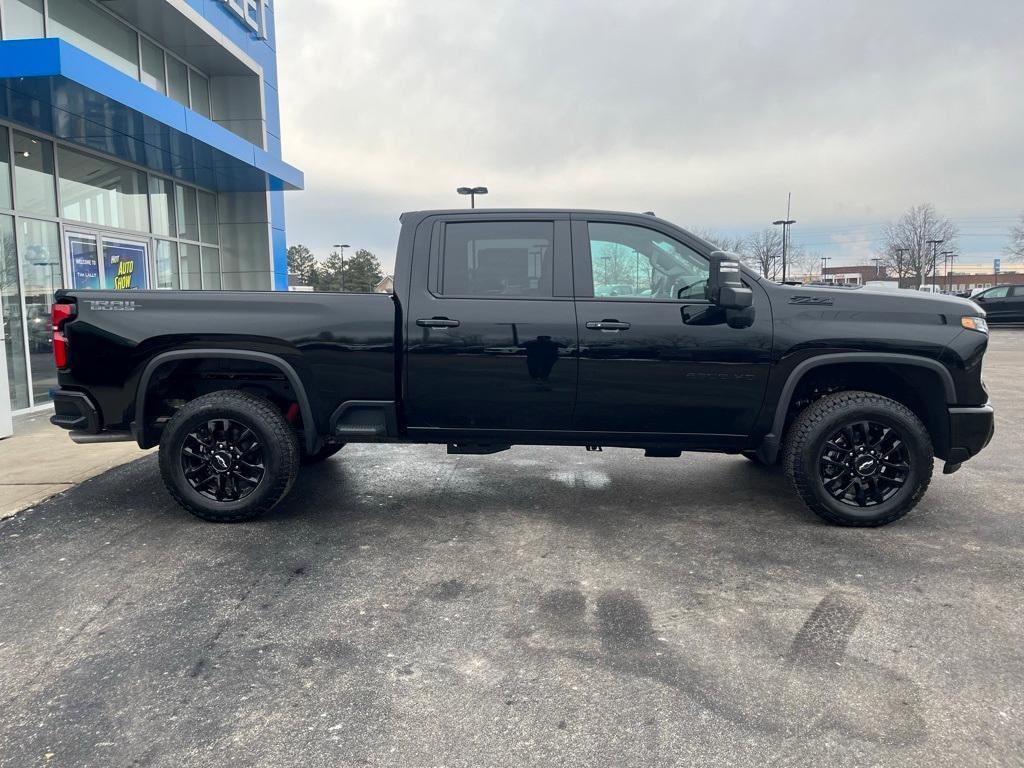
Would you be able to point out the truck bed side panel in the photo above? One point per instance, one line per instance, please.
(342, 345)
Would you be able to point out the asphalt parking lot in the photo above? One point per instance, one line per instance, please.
(537, 607)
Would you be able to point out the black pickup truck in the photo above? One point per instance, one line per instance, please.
(534, 327)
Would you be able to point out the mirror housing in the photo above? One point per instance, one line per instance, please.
(725, 286)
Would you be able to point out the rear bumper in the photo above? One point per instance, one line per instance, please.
(74, 411)
(970, 430)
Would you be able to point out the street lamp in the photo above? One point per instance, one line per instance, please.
(341, 250)
(824, 265)
(935, 244)
(786, 223)
(472, 192)
(948, 256)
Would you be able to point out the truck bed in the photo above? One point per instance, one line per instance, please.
(342, 346)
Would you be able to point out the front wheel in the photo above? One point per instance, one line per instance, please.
(228, 456)
(859, 459)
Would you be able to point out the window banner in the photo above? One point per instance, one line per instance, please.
(85, 262)
(124, 265)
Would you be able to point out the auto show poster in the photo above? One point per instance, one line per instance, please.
(124, 265)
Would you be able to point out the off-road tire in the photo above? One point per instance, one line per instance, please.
(805, 443)
(325, 452)
(277, 439)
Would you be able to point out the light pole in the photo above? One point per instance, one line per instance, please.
(341, 249)
(948, 256)
(824, 265)
(935, 245)
(472, 192)
(786, 223)
(878, 266)
(899, 265)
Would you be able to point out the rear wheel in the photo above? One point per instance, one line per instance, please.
(859, 459)
(228, 456)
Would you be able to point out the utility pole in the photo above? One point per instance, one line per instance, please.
(899, 265)
(878, 266)
(341, 249)
(824, 264)
(935, 247)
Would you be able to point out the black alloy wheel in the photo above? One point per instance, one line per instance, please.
(223, 460)
(864, 463)
(858, 458)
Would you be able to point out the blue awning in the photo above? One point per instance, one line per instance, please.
(55, 88)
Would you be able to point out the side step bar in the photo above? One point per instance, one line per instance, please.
(88, 438)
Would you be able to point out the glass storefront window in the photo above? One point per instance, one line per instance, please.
(177, 80)
(191, 272)
(10, 308)
(211, 268)
(96, 32)
(208, 229)
(167, 265)
(33, 176)
(153, 73)
(200, 93)
(23, 19)
(188, 212)
(5, 169)
(41, 275)
(97, 191)
(161, 199)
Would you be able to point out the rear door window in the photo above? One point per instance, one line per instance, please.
(497, 259)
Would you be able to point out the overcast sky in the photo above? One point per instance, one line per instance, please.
(707, 113)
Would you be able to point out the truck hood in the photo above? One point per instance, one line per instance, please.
(857, 297)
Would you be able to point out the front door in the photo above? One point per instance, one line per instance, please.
(107, 262)
(490, 327)
(653, 358)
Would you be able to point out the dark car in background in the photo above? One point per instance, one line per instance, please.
(1002, 303)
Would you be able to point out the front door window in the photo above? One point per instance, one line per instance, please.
(632, 262)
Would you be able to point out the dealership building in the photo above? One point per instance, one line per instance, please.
(139, 148)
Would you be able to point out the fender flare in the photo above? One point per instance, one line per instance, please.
(771, 443)
(138, 426)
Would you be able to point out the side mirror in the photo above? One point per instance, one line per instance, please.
(725, 285)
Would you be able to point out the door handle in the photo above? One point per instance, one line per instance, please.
(437, 322)
(607, 325)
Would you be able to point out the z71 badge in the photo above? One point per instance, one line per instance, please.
(111, 305)
(817, 301)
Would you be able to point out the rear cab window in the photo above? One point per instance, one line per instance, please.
(497, 259)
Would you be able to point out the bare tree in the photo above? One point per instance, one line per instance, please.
(763, 251)
(802, 262)
(720, 241)
(1015, 249)
(906, 250)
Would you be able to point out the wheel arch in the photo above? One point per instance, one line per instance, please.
(934, 414)
(144, 433)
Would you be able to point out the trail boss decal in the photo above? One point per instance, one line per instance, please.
(816, 301)
(111, 305)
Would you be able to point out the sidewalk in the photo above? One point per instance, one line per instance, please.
(40, 461)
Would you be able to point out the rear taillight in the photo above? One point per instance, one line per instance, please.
(59, 315)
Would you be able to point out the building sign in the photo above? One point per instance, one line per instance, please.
(124, 265)
(250, 13)
(996, 265)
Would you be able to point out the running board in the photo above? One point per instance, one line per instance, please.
(477, 449)
(88, 438)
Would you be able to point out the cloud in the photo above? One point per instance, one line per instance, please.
(708, 113)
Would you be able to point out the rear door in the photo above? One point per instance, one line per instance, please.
(491, 325)
(1016, 309)
(652, 359)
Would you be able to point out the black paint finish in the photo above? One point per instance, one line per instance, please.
(567, 368)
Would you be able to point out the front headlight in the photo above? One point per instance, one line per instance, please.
(974, 324)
